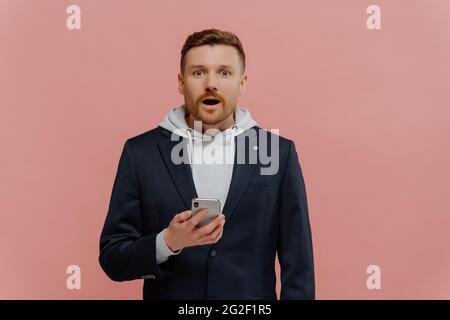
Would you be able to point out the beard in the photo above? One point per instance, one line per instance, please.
(209, 115)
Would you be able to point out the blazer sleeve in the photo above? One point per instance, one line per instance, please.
(126, 254)
(295, 250)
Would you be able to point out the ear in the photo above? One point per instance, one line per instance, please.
(180, 84)
(243, 84)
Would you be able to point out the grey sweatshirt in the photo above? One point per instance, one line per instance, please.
(211, 159)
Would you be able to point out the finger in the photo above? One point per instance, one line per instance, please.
(182, 216)
(213, 238)
(217, 238)
(198, 216)
(210, 226)
(214, 234)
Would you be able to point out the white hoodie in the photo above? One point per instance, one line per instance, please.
(211, 170)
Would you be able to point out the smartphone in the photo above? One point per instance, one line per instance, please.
(213, 206)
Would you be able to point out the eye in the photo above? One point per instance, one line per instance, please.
(225, 72)
(196, 72)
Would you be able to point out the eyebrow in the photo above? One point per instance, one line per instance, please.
(202, 66)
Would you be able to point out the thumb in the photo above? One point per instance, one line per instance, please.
(182, 216)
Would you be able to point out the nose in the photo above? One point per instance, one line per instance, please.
(211, 83)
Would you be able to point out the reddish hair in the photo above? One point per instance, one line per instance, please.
(212, 37)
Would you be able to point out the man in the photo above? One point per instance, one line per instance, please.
(150, 232)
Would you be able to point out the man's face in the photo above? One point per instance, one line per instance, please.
(212, 71)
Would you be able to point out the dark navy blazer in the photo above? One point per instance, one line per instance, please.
(265, 215)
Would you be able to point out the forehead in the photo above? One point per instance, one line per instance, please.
(212, 56)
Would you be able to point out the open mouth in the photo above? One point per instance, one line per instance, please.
(211, 102)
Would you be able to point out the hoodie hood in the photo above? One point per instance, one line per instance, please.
(175, 122)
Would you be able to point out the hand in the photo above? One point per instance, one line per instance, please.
(183, 231)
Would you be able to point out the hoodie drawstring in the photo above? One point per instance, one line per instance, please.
(190, 148)
(230, 161)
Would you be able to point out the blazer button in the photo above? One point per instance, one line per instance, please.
(213, 253)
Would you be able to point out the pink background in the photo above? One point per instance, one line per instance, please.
(368, 110)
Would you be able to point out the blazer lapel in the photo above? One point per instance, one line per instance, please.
(242, 173)
(181, 173)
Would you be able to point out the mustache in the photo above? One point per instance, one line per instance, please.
(210, 95)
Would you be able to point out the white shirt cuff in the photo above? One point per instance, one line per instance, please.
(162, 251)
